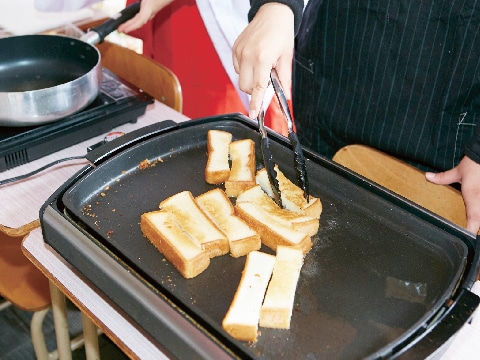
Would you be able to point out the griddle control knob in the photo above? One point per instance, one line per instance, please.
(109, 137)
(112, 136)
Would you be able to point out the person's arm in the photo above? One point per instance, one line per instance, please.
(267, 42)
(148, 9)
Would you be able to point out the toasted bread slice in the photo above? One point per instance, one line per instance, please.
(241, 320)
(217, 170)
(242, 172)
(242, 239)
(276, 311)
(186, 255)
(291, 195)
(298, 221)
(196, 223)
(272, 232)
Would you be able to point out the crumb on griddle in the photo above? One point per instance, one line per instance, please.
(144, 164)
(87, 211)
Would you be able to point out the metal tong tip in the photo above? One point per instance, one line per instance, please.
(268, 160)
(299, 158)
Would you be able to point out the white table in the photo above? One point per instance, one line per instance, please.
(26, 197)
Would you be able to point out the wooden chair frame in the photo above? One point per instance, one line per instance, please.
(155, 79)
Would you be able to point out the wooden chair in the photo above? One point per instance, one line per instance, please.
(25, 286)
(22, 284)
(404, 180)
(146, 74)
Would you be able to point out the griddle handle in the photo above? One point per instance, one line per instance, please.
(454, 318)
(109, 149)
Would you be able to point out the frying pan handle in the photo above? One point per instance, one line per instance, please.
(97, 34)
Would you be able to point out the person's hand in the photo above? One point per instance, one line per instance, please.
(267, 42)
(148, 9)
(466, 173)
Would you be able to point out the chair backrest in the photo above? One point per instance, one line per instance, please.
(144, 73)
(21, 282)
(404, 180)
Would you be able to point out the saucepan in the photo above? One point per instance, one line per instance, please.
(44, 78)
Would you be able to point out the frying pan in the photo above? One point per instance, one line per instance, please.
(44, 78)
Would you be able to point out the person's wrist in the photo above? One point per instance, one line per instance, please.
(294, 8)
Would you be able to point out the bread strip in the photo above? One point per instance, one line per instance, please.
(217, 170)
(276, 311)
(291, 194)
(242, 172)
(272, 232)
(185, 254)
(241, 320)
(298, 221)
(242, 239)
(196, 223)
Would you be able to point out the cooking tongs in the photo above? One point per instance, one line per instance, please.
(299, 158)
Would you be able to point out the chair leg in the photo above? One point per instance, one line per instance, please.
(38, 338)
(61, 323)
(64, 345)
(5, 304)
(90, 334)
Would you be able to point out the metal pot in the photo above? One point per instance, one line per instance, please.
(44, 78)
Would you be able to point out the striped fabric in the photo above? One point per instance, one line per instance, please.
(399, 75)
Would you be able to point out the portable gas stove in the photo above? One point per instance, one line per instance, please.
(117, 103)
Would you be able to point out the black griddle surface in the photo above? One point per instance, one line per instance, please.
(375, 272)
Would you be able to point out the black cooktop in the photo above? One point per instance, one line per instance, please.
(118, 103)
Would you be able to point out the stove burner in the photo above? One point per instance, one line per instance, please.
(117, 103)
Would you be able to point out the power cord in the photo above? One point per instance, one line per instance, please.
(109, 137)
(34, 172)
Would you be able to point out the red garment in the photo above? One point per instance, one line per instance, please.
(178, 39)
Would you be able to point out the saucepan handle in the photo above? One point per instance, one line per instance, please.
(97, 34)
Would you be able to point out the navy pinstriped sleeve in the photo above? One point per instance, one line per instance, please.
(295, 5)
(472, 150)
